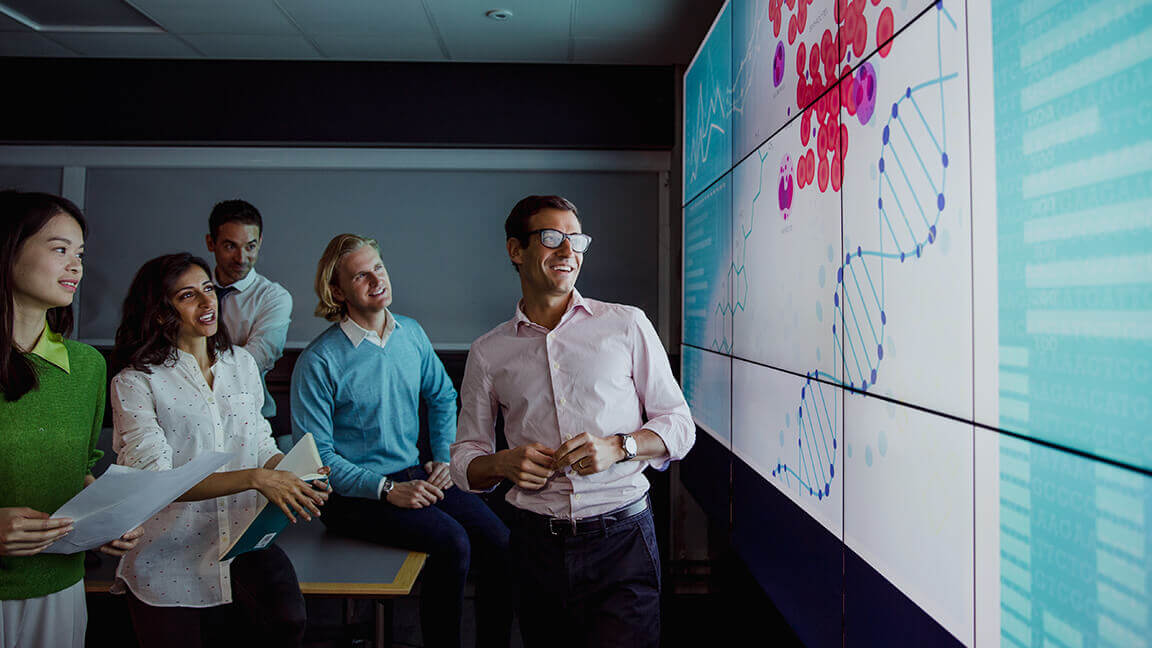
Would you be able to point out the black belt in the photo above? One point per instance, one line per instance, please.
(592, 524)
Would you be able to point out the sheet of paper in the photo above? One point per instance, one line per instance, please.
(124, 498)
(303, 459)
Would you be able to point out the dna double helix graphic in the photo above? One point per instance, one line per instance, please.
(911, 196)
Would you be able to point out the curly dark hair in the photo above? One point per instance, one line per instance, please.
(150, 326)
(22, 215)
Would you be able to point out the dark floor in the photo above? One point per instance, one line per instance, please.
(722, 606)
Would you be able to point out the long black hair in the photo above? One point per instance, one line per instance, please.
(150, 326)
(22, 215)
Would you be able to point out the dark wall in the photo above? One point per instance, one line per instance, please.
(337, 103)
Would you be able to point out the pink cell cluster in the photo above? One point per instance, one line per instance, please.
(784, 190)
(822, 135)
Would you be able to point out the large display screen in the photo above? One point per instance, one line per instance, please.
(918, 297)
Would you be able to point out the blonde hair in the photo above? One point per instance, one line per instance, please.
(339, 247)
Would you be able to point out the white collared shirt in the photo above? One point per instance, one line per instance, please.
(257, 317)
(357, 334)
(161, 421)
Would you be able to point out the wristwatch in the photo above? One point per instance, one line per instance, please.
(386, 487)
(628, 443)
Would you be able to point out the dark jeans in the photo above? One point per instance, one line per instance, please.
(600, 588)
(458, 533)
(267, 609)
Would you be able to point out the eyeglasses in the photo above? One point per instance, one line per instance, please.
(551, 238)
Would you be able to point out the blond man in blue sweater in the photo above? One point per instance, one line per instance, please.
(357, 389)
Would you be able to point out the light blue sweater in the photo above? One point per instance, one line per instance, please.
(362, 404)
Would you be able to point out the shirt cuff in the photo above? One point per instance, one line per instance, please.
(380, 488)
(458, 468)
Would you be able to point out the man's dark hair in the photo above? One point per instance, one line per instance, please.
(518, 221)
(234, 211)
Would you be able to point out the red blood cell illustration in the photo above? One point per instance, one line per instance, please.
(847, 89)
(792, 29)
(884, 31)
(823, 175)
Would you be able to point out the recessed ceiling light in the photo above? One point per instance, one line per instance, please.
(499, 15)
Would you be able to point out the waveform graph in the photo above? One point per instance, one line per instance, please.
(905, 291)
(707, 274)
(706, 378)
(708, 109)
(765, 43)
(785, 254)
(789, 429)
(908, 505)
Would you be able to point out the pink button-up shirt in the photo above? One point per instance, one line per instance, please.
(602, 370)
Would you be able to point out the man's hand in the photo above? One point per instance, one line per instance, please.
(438, 474)
(25, 532)
(414, 494)
(528, 467)
(588, 454)
(124, 544)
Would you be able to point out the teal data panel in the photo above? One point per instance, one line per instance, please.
(707, 381)
(708, 109)
(1073, 87)
(1074, 550)
(708, 269)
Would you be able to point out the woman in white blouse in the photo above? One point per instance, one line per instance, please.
(185, 390)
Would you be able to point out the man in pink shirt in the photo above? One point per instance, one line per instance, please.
(589, 402)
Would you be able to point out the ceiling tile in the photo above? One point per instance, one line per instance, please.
(217, 16)
(127, 45)
(537, 31)
(629, 51)
(374, 48)
(402, 18)
(10, 25)
(79, 13)
(31, 44)
(615, 19)
(238, 46)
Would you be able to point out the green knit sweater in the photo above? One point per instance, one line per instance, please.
(47, 446)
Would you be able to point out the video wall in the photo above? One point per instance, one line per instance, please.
(917, 301)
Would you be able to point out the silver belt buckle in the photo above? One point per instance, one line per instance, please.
(555, 530)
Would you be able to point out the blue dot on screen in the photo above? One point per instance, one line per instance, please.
(895, 110)
(881, 164)
(884, 139)
(944, 159)
(940, 202)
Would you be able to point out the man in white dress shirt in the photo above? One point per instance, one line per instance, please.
(256, 311)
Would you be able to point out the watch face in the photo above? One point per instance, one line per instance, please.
(630, 445)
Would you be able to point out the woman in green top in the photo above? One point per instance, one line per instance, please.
(50, 419)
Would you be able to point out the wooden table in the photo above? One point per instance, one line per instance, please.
(327, 565)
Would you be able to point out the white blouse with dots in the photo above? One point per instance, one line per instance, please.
(162, 420)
